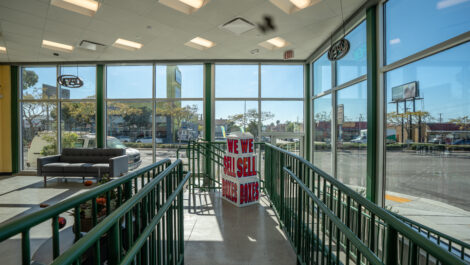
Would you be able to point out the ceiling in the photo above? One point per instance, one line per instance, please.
(162, 30)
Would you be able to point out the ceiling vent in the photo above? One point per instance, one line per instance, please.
(238, 26)
(91, 46)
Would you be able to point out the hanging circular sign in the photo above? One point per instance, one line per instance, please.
(71, 81)
(338, 50)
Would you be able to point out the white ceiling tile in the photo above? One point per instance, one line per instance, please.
(35, 8)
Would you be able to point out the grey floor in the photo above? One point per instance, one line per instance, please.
(216, 232)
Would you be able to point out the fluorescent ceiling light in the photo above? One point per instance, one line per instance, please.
(127, 44)
(292, 6)
(84, 7)
(184, 6)
(56, 46)
(3, 49)
(200, 43)
(274, 43)
(193, 3)
(203, 42)
(278, 42)
(301, 4)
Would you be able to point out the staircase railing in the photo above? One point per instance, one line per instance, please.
(146, 229)
(206, 162)
(329, 223)
(122, 189)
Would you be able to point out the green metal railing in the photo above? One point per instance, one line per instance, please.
(118, 191)
(206, 162)
(146, 229)
(329, 223)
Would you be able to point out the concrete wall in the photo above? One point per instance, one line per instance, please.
(5, 119)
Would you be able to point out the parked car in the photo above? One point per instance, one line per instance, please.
(360, 139)
(144, 140)
(461, 142)
(124, 139)
(148, 140)
(39, 141)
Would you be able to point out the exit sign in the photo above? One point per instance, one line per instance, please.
(288, 54)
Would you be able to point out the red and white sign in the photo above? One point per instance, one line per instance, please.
(240, 184)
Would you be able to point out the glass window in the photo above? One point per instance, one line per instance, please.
(321, 75)
(354, 64)
(129, 125)
(239, 81)
(322, 133)
(129, 81)
(412, 26)
(282, 81)
(87, 74)
(78, 124)
(179, 81)
(39, 82)
(428, 134)
(351, 144)
(282, 116)
(39, 131)
(232, 116)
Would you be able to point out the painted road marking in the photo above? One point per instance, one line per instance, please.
(396, 198)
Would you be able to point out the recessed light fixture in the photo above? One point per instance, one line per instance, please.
(292, 6)
(127, 44)
(274, 43)
(56, 46)
(84, 7)
(193, 3)
(200, 43)
(184, 6)
(3, 49)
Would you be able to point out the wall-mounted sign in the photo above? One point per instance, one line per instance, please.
(338, 50)
(405, 91)
(340, 114)
(71, 81)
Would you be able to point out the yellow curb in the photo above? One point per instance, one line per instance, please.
(396, 198)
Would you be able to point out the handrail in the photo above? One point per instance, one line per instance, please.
(25, 223)
(371, 257)
(112, 221)
(395, 227)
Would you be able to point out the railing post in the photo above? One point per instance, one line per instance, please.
(181, 220)
(115, 256)
(281, 177)
(25, 248)
(391, 246)
(299, 221)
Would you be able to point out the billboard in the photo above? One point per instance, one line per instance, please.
(405, 91)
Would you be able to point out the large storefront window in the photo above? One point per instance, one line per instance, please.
(428, 130)
(354, 64)
(179, 81)
(236, 81)
(43, 103)
(321, 75)
(233, 116)
(282, 81)
(322, 134)
(351, 141)
(129, 81)
(412, 26)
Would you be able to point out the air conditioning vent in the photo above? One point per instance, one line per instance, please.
(238, 26)
(91, 46)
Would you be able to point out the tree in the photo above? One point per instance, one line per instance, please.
(28, 78)
(463, 122)
(248, 121)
